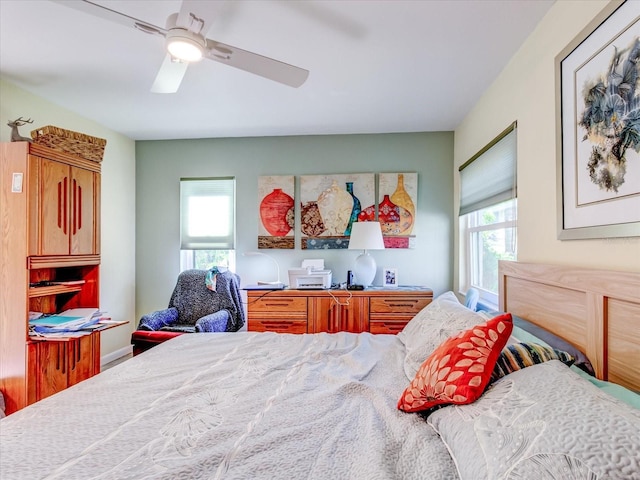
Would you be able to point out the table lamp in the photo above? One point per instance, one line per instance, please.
(277, 283)
(365, 236)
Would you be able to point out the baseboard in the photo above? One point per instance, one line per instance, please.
(110, 357)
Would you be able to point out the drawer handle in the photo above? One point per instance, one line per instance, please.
(393, 327)
(277, 304)
(277, 325)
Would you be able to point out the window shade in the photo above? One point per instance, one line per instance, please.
(207, 213)
(489, 177)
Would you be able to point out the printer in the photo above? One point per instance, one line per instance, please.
(310, 276)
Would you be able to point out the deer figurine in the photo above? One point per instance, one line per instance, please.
(15, 135)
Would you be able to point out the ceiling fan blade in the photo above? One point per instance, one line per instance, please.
(205, 11)
(169, 76)
(257, 64)
(113, 16)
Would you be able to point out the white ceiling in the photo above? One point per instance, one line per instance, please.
(376, 66)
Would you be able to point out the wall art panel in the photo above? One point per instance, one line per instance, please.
(329, 204)
(398, 197)
(276, 209)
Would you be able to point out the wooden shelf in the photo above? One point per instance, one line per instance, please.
(57, 261)
(53, 290)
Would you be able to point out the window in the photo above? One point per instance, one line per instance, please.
(207, 222)
(488, 215)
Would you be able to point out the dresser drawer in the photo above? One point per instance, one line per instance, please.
(277, 305)
(405, 306)
(391, 327)
(279, 326)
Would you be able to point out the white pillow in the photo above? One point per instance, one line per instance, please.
(434, 324)
(544, 421)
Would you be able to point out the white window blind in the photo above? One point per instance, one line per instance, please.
(207, 213)
(489, 177)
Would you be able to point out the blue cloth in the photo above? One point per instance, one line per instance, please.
(210, 281)
(214, 322)
(471, 298)
(158, 319)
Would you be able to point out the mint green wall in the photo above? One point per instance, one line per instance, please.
(161, 164)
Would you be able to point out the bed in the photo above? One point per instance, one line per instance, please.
(250, 405)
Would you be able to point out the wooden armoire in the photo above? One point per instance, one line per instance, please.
(50, 252)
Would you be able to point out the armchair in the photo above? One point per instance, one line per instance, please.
(202, 301)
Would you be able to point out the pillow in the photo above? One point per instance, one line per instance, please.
(544, 421)
(526, 331)
(521, 355)
(436, 322)
(613, 389)
(458, 370)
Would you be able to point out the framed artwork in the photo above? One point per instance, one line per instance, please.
(397, 200)
(390, 277)
(329, 204)
(598, 134)
(276, 208)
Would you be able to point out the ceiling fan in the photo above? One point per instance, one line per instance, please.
(186, 42)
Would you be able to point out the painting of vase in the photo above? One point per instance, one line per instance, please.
(276, 208)
(397, 193)
(330, 204)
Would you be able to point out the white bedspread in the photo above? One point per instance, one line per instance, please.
(233, 406)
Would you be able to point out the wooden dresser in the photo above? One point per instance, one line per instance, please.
(374, 310)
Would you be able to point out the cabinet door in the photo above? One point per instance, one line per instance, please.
(62, 364)
(80, 355)
(53, 199)
(343, 315)
(66, 210)
(52, 368)
(82, 208)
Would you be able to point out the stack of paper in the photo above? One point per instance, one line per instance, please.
(86, 313)
(58, 321)
(73, 320)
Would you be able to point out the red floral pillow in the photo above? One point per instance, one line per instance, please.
(459, 369)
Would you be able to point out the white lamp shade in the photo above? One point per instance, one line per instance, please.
(365, 236)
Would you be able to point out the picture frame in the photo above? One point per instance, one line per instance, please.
(598, 186)
(390, 277)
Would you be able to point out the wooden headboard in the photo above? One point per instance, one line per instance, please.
(597, 311)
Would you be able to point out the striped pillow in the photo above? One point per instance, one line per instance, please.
(521, 355)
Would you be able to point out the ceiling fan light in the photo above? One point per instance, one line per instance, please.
(184, 45)
(185, 51)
